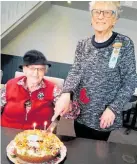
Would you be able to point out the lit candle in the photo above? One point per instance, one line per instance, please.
(34, 125)
(45, 124)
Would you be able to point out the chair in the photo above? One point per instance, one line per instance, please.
(1, 75)
(130, 114)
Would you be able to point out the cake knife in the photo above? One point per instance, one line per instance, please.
(53, 125)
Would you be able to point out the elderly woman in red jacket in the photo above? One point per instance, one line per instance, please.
(29, 99)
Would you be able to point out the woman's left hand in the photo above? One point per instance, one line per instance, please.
(107, 118)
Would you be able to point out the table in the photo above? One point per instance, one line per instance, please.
(82, 151)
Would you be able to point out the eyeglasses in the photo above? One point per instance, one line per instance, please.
(41, 70)
(106, 13)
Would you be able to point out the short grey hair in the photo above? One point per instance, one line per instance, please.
(114, 3)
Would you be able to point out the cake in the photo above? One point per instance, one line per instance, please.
(36, 146)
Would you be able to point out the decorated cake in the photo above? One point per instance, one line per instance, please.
(36, 146)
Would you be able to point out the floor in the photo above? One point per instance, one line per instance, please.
(65, 127)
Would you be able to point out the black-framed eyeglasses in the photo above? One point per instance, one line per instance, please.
(106, 13)
(32, 69)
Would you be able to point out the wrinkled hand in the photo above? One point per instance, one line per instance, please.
(107, 118)
(62, 105)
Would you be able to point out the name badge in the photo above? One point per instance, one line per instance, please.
(114, 55)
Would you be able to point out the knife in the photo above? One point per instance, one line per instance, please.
(53, 125)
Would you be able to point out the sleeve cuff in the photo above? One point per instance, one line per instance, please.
(71, 94)
(114, 109)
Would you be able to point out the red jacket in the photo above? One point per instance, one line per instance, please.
(15, 112)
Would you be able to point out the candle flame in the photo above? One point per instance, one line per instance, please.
(34, 124)
(45, 123)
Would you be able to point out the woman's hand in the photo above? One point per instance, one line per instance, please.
(107, 118)
(62, 105)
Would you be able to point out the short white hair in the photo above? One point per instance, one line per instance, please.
(114, 3)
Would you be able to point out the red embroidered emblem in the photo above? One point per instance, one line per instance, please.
(83, 96)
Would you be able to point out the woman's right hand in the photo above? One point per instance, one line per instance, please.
(62, 106)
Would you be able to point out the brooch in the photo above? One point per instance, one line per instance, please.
(117, 45)
(40, 95)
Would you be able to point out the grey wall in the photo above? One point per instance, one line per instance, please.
(56, 34)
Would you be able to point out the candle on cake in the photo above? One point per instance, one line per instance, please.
(45, 125)
(34, 125)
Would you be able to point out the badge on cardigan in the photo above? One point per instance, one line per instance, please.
(117, 45)
(40, 95)
(115, 55)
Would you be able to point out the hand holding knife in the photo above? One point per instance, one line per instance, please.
(53, 125)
